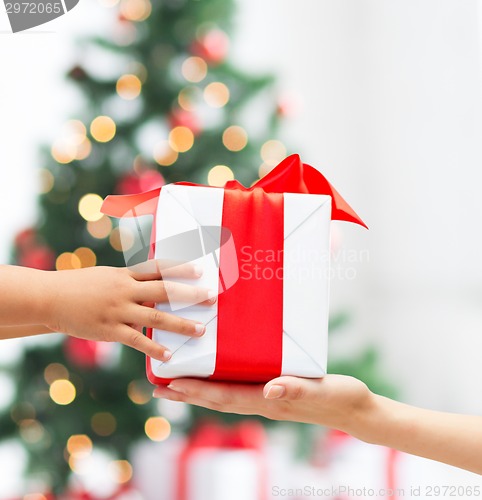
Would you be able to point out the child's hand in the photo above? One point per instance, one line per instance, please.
(106, 303)
(335, 400)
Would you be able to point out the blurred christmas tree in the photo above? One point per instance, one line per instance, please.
(168, 106)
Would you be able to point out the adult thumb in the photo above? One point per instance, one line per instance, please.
(287, 388)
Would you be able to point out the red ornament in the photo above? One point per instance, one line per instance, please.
(37, 257)
(181, 118)
(213, 47)
(87, 354)
(133, 183)
(26, 239)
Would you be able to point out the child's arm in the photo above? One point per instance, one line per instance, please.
(99, 303)
(13, 332)
(345, 403)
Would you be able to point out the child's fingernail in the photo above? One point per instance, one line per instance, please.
(175, 388)
(167, 355)
(211, 296)
(198, 271)
(275, 392)
(199, 328)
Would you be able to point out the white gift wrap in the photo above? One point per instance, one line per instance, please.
(306, 268)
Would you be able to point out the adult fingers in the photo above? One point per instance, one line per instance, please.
(289, 388)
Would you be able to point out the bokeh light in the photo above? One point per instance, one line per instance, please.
(273, 152)
(157, 428)
(194, 69)
(188, 97)
(63, 151)
(235, 138)
(67, 261)
(55, 371)
(31, 431)
(135, 10)
(62, 392)
(181, 139)
(164, 154)
(129, 87)
(86, 257)
(34, 496)
(121, 239)
(121, 470)
(83, 149)
(139, 392)
(216, 94)
(219, 175)
(46, 179)
(79, 445)
(89, 207)
(103, 129)
(101, 228)
(103, 423)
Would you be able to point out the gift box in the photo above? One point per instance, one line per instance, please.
(265, 250)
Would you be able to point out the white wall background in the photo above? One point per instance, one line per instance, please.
(391, 113)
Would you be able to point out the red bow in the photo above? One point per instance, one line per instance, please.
(290, 176)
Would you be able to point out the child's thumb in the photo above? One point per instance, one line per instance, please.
(291, 388)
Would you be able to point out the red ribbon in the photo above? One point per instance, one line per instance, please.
(290, 176)
(250, 313)
(244, 436)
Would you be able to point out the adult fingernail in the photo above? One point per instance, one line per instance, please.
(167, 355)
(176, 388)
(275, 392)
(198, 271)
(199, 328)
(211, 296)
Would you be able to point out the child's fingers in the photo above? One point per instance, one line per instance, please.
(152, 318)
(157, 269)
(169, 291)
(132, 338)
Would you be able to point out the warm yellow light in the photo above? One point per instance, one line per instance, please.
(79, 445)
(83, 149)
(108, 3)
(121, 239)
(164, 154)
(66, 261)
(135, 10)
(89, 207)
(55, 371)
(181, 139)
(157, 428)
(103, 423)
(31, 431)
(62, 392)
(100, 228)
(35, 496)
(216, 94)
(194, 69)
(187, 98)
(273, 152)
(121, 470)
(235, 138)
(46, 181)
(63, 152)
(129, 87)
(75, 132)
(103, 128)
(138, 393)
(219, 175)
(86, 256)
